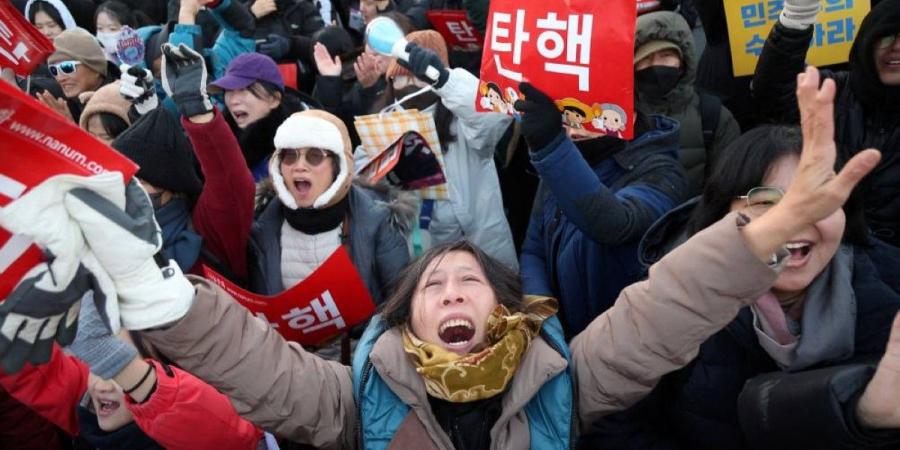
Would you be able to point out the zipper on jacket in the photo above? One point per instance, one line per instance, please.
(367, 370)
(574, 413)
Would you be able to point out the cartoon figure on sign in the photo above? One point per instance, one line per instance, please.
(611, 121)
(493, 98)
(574, 112)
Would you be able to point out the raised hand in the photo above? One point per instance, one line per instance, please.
(58, 105)
(262, 8)
(879, 406)
(184, 79)
(816, 191)
(367, 69)
(541, 121)
(327, 66)
(137, 87)
(44, 306)
(125, 240)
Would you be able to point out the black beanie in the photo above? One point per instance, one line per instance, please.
(883, 20)
(165, 156)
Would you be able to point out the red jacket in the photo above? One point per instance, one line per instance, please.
(223, 214)
(183, 412)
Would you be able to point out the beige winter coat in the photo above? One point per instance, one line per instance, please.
(655, 327)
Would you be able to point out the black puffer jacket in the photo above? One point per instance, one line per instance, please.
(867, 113)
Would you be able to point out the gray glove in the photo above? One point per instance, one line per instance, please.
(137, 87)
(96, 346)
(184, 79)
(125, 243)
(43, 308)
(799, 14)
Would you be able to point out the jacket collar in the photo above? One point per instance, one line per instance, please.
(539, 364)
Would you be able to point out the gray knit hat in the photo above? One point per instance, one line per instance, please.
(79, 45)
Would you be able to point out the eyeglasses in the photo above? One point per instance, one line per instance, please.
(314, 156)
(761, 199)
(66, 67)
(887, 41)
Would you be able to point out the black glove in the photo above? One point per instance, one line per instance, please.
(275, 47)
(541, 121)
(420, 60)
(184, 79)
(137, 87)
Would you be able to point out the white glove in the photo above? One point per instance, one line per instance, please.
(43, 307)
(799, 14)
(137, 87)
(125, 240)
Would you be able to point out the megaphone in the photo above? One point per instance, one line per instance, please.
(386, 38)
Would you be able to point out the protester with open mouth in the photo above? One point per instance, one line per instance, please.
(167, 408)
(867, 113)
(827, 309)
(458, 358)
(257, 102)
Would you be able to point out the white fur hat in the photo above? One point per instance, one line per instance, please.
(319, 129)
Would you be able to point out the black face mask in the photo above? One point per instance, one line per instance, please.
(657, 81)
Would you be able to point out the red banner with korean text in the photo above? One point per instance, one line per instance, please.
(37, 143)
(22, 47)
(456, 28)
(579, 52)
(325, 304)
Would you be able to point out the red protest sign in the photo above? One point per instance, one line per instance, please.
(22, 47)
(456, 28)
(327, 303)
(579, 52)
(37, 143)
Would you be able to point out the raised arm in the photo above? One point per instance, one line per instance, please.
(657, 326)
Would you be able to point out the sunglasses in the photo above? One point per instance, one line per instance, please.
(314, 156)
(887, 41)
(66, 67)
(761, 199)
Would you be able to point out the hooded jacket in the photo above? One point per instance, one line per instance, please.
(682, 103)
(586, 223)
(866, 112)
(377, 248)
(654, 327)
(696, 407)
(475, 209)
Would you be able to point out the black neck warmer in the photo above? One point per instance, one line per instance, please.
(315, 221)
(257, 141)
(883, 20)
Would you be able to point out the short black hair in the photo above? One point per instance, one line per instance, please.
(121, 12)
(575, 110)
(744, 164)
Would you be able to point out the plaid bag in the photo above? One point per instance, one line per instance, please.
(378, 131)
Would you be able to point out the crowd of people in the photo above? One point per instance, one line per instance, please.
(726, 279)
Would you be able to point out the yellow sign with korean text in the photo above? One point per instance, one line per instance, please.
(749, 23)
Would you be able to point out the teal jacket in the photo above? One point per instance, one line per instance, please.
(550, 412)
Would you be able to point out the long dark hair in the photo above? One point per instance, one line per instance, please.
(48, 9)
(505, 283)
(121, 12)
(744, 164)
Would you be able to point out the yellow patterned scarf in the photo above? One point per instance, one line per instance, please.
(475, 376)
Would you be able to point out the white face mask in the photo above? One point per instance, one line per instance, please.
(108, 41)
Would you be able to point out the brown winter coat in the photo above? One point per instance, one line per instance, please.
(655, 327)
